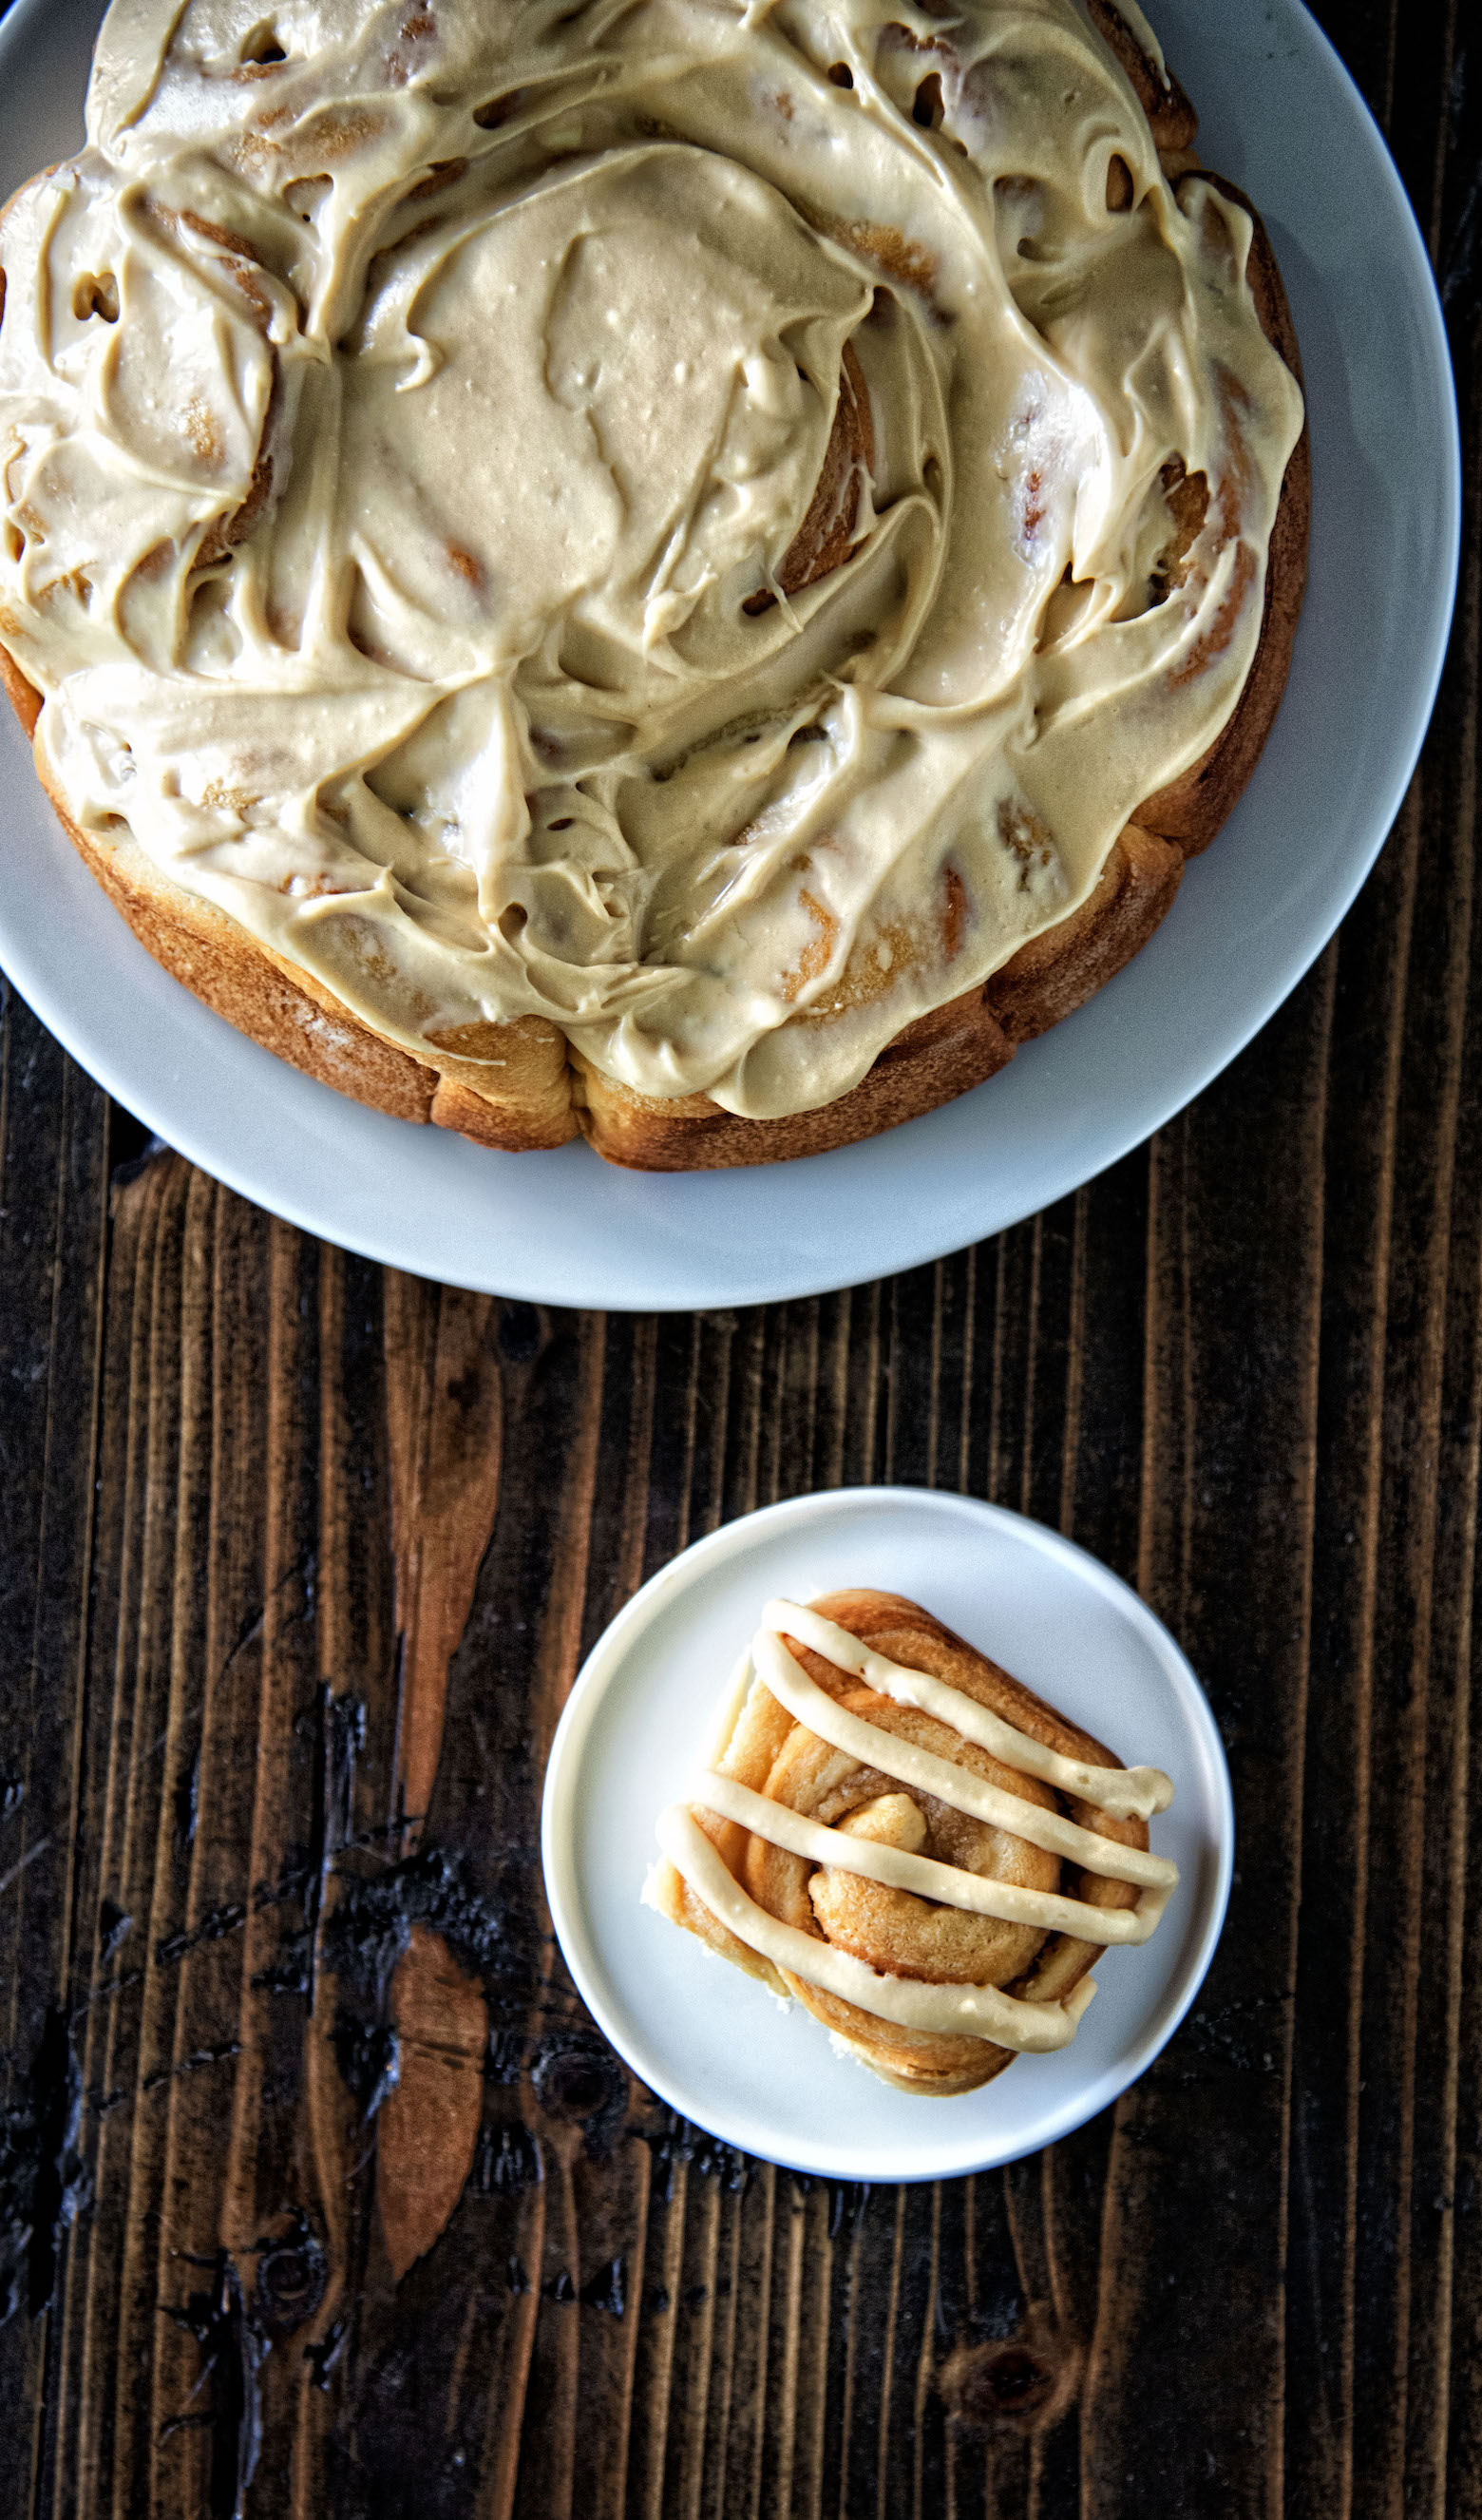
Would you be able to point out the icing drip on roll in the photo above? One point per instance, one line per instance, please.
(986, 2013)
(654, 516)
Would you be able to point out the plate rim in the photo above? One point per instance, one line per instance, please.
(697, 1268)
(605, 1660)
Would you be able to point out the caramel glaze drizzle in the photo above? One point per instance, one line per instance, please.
(981, 2012)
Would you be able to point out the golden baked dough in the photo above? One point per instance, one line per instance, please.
(704, 698)
(924, 1854)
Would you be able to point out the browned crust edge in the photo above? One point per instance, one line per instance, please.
(549, 1091)
(1171, 118)
(1197, 805)
(930, 1063)
(291, 1012)
(1057, 971)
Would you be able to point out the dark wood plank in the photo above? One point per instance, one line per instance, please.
(1234, 1294)
(53, 1179)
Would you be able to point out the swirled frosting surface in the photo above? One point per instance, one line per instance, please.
(411, 417)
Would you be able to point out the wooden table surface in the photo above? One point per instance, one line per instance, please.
(318, 2192)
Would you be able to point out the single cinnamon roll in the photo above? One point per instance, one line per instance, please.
(922, 1852)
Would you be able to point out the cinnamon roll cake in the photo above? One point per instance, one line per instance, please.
(679, 571)
(924, 1854)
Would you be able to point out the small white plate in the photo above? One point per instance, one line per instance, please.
(1281, 115)
(712, 2043)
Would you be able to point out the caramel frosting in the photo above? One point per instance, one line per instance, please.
(873, 1842)
(655, 514)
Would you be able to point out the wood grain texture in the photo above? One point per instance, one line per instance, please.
(318, 2190)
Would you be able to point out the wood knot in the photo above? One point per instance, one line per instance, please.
(519, 1333)
(292, 2275)
(1022, 2383)
(579, 2079)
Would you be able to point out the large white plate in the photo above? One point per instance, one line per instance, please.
(639, 1720)
(1281, 115)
